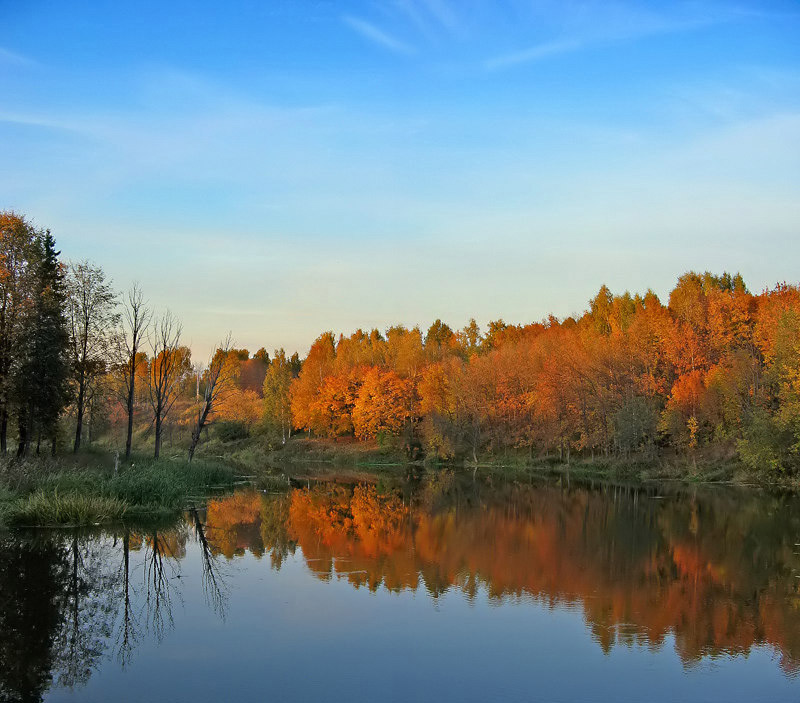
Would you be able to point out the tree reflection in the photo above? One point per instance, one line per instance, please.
(57, 611)
(215, 588)
(68, 599)
(31, 595)
(161, 570)
(89, 609)
(128, 634)
(717, 570)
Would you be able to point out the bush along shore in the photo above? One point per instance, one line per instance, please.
(39, 492)
(320, 455)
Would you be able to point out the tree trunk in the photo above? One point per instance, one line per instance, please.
(201, 421)
(158, 436)
(22, 447)
(3, 430)
(79, 408)
(129, 439)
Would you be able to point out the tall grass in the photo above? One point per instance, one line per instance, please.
(55, 495)
(44, 508)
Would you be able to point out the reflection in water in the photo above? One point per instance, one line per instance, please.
(215, 588)
(69, 598)
(717, 570)
(32, 593)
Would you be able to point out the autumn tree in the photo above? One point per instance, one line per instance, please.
(277, 395)
(220, 381)
(17, 247)
(169, 362)
(469, 338)
(439, 339)
(136, 319)
(380, 405)
(306, 410)
(92, 319)
(438, 408)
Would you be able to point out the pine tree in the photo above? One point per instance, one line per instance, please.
(42, 378)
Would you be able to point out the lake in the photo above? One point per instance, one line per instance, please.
(432, 589)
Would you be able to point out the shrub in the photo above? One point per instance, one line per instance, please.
(231, 430)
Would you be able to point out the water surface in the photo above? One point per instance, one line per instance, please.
(440, 589)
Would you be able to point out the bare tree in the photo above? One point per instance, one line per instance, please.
(92, 318)
(220, 379)
(166, 368)
(136, 318)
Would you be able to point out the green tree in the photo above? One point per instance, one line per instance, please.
(601, 309)
(438, 339)
(470, 338)
(17, 244)
(42, 377)
(277, 398)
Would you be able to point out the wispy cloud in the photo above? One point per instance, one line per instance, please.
(37, 120)
(377, 36)
(444, 14)
(12, 57)
(534, 53)
(613, 24)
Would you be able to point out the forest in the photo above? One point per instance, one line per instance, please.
(713, 371)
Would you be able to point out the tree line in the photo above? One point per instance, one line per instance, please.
(71, 347)
(715, 369)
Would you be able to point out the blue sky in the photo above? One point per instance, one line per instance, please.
(280, 168)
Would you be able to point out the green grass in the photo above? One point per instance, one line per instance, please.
(48, 492)
(51, 508)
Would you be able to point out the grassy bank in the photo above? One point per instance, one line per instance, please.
(305, 456)
(254, 453)
(68, 491)
(84, 489)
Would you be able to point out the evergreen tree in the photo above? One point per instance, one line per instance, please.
(42, 377)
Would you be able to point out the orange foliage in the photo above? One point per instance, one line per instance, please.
(381, 404)
(608, 381)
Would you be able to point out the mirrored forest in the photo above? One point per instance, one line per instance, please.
(712, 573)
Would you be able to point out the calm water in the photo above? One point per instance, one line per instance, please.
(434, 590)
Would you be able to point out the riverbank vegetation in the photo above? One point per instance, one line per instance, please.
(90, 491)
(705, 384)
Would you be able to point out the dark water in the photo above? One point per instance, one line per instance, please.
(436, 590)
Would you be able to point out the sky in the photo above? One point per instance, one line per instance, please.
(280, 168)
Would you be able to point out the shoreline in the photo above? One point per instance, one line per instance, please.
(84, 490)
